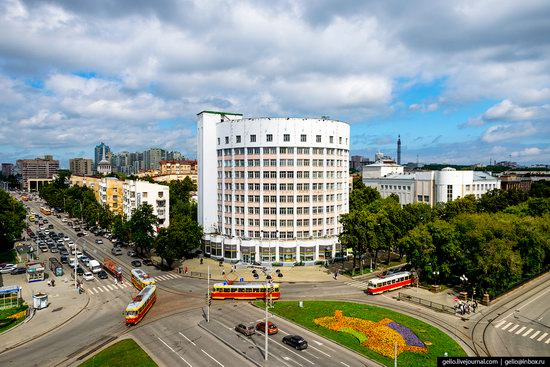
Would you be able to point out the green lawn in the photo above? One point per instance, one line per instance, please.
(6, 322)
(121, 354)
(436, 341)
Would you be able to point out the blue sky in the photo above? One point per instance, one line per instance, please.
(462, 82)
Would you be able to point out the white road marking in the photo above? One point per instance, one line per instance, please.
(293, 352)
(525, 304)
(527, 332)
(513, 328)
(320, 351)
(214, 359)
(305, 351)
(100, 289)
(520, 330)
(110, 287)
(106, 289)
(189, 340)
(542, 337)
(318, 343)
(347, 365)
(507, 325)
(535, 334)
(169, 347)
(290, 359)
(548, 341)
(500, 324)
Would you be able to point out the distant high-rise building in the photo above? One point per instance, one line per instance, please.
(35, 172)
(81, 166)
(99, 154)
(152, 158)
(7, 169)
(104, 166)
(399, 149)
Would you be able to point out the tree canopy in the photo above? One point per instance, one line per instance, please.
(12, 221)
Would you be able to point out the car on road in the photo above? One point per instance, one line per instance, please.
(7, 268)
(63, 252)
(18, 270)
(80, 234)
(99, 241)
(64, 220)
(84, 233)
(70, 243)
(66, 238)
(271, 328)
(247, 330)
(79, 270)
(102, 274)
(131, 253)
(136, 263)
(295, 341)
(116, 251)
(147, 262)
(54, 250)
(88, 275)
(43, 248)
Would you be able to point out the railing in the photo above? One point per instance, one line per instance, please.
(426, 303)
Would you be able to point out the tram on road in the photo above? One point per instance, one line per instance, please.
(45, 211)
(245, 291)
(390, 282)
(136, 310)
(141, 279)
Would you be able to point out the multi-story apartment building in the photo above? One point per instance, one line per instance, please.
(7, 169)
(137, 193)
(111, 194)
(36, 172)
(272, 189)
(81, 166)
(177, 170)
(428, 187)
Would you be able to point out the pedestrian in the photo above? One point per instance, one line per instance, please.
(53, 282)
(116, 281)
(223, 271)
(201, 260)
(336, 275)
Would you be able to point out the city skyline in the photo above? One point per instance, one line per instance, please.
(461, 83)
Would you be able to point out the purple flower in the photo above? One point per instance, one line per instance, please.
(410, 338)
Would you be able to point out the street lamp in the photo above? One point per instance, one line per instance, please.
(436, 276)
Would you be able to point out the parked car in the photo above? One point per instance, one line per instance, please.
(7, 268)
(99, 241)
(88, 275)
(18, 270)
(271, 328)
(80, 234)
(116, 251)
(54, 250)
(66, 238)
(102, 274)
(147, 262)
(247, 330)
(136, 263)
(132, 253)
(295, 341)
(79, 270)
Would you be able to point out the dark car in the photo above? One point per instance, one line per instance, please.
(102, 274)
(295, 341)
(19, 270)
(132, 253)
(247, 330)
(63, 252)
(80, 234)
(271, 328)
(79, 270)
(147, 262)
(64, 258)
(99, 241)
(136, 263)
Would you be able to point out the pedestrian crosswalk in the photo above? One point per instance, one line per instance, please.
(523, 331)
(94, 289)
(357, 284)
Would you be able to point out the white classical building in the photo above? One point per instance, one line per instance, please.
(272, 189)
(428, 187)
(143, 192)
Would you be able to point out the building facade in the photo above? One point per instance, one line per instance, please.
(429, 187)
(272, 189)
(7, 169)
(36, 172)
(100, 152)
(137, 193)
(111, 194)
(81, 166)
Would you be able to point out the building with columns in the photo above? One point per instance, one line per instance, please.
(272, 189)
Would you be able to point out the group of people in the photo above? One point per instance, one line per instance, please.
(462, 307)
(51, 283)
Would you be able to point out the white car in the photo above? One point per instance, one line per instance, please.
(70, 243)
(88, 275)
(66, 238)
(7, 268)
(79, 254)
(64, 220)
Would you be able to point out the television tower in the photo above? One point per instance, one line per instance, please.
(399, 149)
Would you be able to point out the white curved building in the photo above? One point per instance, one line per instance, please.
(272, 189)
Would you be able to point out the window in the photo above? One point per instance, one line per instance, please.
(340, 140)
(331, 139)
(303, 138)
(318, 138)
(269, 137)
(218, 141)
(286, 137)
(449, 193)
(227, 140)
(252, 138)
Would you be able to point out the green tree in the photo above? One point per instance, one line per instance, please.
(12, 221)
(180, 239)
(540, 189)
(120, 229)
(142, 226)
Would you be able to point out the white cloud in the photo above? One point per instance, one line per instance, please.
(508, 132)
(431, 107)
(508, 111)
(528, 152)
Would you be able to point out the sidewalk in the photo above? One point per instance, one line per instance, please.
(290, 273)
(64, 304)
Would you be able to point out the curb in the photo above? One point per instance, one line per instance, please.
(228, 344)
(47, 331)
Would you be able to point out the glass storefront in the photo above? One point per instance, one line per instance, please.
(307, 253)
(340, 251)
(287, 255)
(248, 254)
(216, 249)
(230, 252)
(325, 252)
(206, 246)
(267, 254)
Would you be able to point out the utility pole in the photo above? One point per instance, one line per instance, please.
(266, 329)
(208, 296)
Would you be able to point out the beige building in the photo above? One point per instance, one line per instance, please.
(81, 166)
(111, 194)
(35, 172)
(84, 181)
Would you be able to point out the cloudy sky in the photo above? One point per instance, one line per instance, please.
(461, 81)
